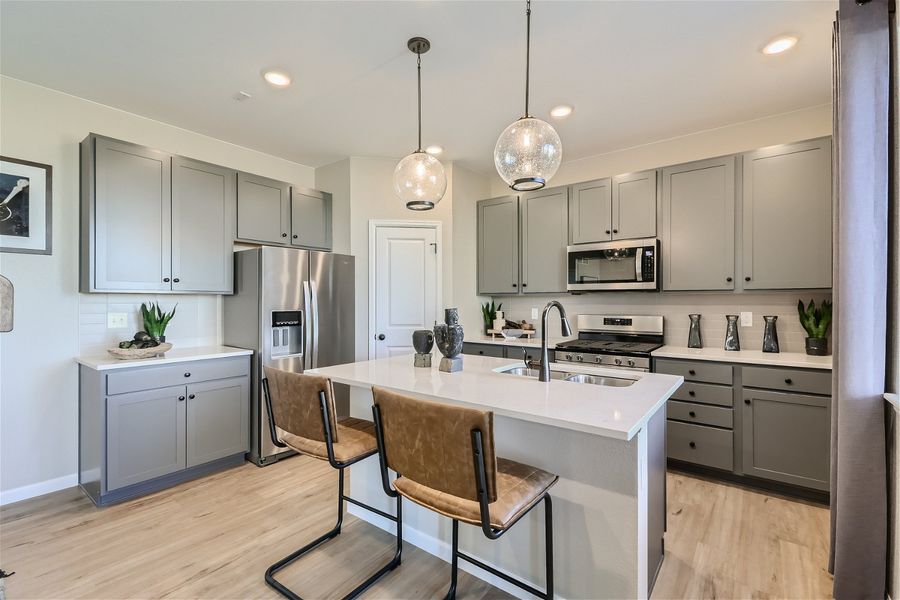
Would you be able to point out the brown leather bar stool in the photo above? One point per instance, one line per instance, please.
(301, 409)
(444, 459)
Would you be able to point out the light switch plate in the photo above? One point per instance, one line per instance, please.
(746, 319)
(534, 313)
(117, 320)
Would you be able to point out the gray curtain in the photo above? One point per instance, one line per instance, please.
(858, 467)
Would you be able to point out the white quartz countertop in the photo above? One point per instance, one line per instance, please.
(534, 342)
(175, 355)
(616, 412)
(748, 357)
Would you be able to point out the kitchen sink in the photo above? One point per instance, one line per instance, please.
(573, 377)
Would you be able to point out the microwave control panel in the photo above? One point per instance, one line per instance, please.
(648, 265)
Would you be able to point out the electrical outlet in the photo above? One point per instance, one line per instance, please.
(534, 313)
(117, 320)
(746, 319)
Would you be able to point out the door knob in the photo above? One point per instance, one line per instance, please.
(380, 337)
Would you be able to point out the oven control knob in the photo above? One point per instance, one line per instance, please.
(598, 359)
(579, 357)
(618, 361)
(568, 357)
(630, 362)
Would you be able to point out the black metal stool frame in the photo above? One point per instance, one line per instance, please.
(480, 470)
(336, 530)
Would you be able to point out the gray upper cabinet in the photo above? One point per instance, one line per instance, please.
(310, 218)
(126, 216)
(786, 437)
(786, 230)
(498, 246)
(698, 204)
(218, 420)
(202, 226)
(545, 231)
(145, 435)
(590, 212)
(634, 205)
(263, 209)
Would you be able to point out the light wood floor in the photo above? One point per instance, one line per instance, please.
(214, 538)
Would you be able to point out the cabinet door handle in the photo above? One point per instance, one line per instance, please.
(515, 285)
(294, 236)
(187, 374)
(181, 398)
(176, 280)
(165, 279)
(692, 445)
(692, 413)
(481, 352)
(524, 285)
(283, 235)
(607, 231)
(615, 231)
(746, 279)
(692, 393)
(789, 381)
(191, 396)
(728, 279)
(691, 372)
(747, 401)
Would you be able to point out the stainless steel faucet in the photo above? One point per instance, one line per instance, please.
(545, 336)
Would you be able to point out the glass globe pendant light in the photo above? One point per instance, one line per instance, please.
(419, 178)
(529, 151)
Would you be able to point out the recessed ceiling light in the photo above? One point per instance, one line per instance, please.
(562, 111)
(434, 149)
(780, 44)
(277, 78)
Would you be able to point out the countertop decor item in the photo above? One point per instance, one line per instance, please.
(770, 334)
(732, 338)
(816, 322)
(449, 338)
(529, 150)
(6, 304)
(423, 342)
(156, 321)
(695, 340)
(25, 206)
(139, 352)
(489, 313)
(419, 178)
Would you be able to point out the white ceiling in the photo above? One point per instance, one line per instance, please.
(635, 71)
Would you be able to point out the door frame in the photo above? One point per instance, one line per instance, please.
(374, 224)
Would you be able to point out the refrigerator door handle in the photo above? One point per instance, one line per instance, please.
(307, 329)
(315, 324)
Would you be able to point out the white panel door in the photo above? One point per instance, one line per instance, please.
(405, 287)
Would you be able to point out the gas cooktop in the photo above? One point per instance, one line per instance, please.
(609, 347)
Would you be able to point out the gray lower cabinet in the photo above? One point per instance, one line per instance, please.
(203, 214)
(505, 350)
(697, 234)
(545, 234)
(787, 437)
(145, 436)
(263, 209)
(786, 230)
(590, 212)
(483, 350)
(634, 205)
(498, 246)
(145, 428)
(125, 217)
(310, 219)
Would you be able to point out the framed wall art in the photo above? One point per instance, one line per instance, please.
(25, 206)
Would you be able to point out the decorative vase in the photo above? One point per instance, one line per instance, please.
(695, 340)
(817, 346)
(423, 342)
(732, 338)
(161, 339)
(449, 339)
(770, 334)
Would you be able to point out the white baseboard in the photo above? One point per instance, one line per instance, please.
(440, 549)
(38, 489)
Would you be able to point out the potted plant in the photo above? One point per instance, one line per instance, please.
(815, 320)
(489, 313)
(156, 321)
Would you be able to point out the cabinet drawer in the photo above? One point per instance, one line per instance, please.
(696, 371)
(791, 380)
(483, 350)
(525, 353)
(700, 413)
(146, 378)
(705, 393)
(700, 445)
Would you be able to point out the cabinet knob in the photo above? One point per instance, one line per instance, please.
(692, 393)
(524, 285)
(481, 352)
(294, 236)
(191, 396)
(692, 413)
(789, 381)
(283, 235)
(607, 231)
(746, 279)
(187, 374)
(615, 231)
(515, 285)
(166, 279)
(181, 398)
(692, 372)
(728, 279)
(176, 280)
(747, 401)
(692, 445)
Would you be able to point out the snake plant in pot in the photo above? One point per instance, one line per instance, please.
(156, 321)
(815, 320)
(489, 313)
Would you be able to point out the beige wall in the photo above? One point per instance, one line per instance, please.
(38, 376)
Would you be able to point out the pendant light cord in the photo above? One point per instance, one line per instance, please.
(527, 52)
(419, 70)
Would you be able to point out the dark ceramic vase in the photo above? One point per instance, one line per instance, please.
(732, 338)
(449, 335)
(817, 346)
(423, 340)
(695, 340)
(770, 334)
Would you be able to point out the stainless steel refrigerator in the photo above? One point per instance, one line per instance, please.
(295, 310)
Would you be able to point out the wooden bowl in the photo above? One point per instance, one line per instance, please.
(138, 353)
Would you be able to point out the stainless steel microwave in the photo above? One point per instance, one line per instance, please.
(614, 266)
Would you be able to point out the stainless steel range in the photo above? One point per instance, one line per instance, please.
(617, 341)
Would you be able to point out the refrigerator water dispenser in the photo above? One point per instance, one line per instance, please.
(287, 332)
